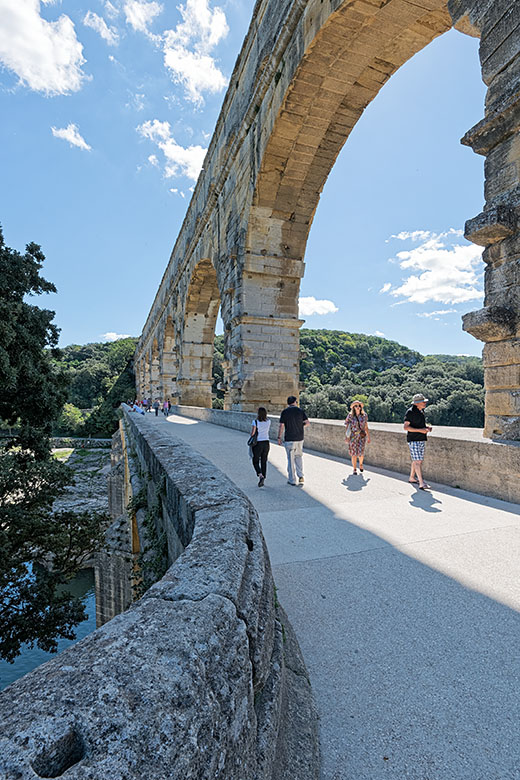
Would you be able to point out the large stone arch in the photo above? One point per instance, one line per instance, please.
(305, 74)
(196, 337)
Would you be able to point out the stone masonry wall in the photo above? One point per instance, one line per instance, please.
(459, 457)
(202, 678)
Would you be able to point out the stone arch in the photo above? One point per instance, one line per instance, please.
(201, 308)
(349, 54)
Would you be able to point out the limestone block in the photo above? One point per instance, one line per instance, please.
(502, 353)
(502, 377)
(503, 403)
(491, 226)
(504, 427)
(188, 712)
(491, 323)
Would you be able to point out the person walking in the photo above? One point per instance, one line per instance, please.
(261, 448)
(165, 408)
(416, 436)
(292, 421)
(357, 434)
(156, 405)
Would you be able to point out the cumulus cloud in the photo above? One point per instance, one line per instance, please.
(97, 23)
(309, 306)
(46, 56)
(187, 49)
(379, 333)
(111, 336)
(440, 268)
(140, 14)
(179, 160)
(72, 135)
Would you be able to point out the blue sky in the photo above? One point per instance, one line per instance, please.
(107, 107)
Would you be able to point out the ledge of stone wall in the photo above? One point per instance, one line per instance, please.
(202, 678)
(459, 457)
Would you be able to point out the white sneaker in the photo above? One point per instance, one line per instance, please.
(301, 480)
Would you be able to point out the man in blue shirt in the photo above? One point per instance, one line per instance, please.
(293, 420)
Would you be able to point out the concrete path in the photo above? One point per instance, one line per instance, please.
(406, 606)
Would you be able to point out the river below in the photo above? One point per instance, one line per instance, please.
(89, 492)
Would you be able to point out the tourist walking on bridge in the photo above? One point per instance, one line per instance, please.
(260, 430)
(292, 421)
(416, 435)
(357, 434)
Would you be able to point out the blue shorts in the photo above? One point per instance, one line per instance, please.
(417, 449)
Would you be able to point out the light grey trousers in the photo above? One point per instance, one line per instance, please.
(294, 450)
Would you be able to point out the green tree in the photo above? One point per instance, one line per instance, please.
(39, 551)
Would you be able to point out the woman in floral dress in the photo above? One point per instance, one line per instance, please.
(357, 419)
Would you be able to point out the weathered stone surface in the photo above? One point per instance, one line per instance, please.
(161, 691)
(492, 323)
(191, 681)
(491, 226)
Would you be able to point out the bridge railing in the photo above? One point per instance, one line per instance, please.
(202, 677)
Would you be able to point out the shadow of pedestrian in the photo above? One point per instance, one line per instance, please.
(423, 499)
(355, 482)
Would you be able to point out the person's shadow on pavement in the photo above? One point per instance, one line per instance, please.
(355, 482)
(423, 499)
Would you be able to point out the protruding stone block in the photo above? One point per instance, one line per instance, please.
(492, 323)
(491, 226)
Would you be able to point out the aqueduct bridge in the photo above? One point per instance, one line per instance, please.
(306, 72)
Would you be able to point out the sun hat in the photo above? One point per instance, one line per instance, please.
(419, 399)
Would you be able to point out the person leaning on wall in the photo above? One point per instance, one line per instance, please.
(416, 435)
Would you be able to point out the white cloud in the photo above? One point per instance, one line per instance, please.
(436, 314)
(111, 336)
(309, 306)
(179, 160)
(72, 135)
(97, 23)
(379, 333)
(187, 49)
(445, 271)
(110, 10)
(46, 56)
(140, 14)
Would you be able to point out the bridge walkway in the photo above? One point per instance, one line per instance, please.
(406, 606)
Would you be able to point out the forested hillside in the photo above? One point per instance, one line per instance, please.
(338, 367)
(335, 369)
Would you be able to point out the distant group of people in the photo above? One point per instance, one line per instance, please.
(293, 421)
(149, 405)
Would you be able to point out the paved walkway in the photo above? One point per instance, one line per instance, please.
(406, 606)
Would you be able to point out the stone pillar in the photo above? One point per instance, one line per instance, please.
(264, 340)
(195, 381)
(497, 137)
(169, 371)
(155, 378)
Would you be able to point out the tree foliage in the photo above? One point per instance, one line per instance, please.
(337, 368)
(39, 550)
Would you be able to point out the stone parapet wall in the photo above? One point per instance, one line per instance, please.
(459, 457)
(201, 678)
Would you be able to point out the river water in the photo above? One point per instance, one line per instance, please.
(83, 586)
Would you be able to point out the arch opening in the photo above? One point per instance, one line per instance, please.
(198, 333)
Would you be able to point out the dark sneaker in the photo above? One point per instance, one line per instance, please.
(301, 480)
(261, 482)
